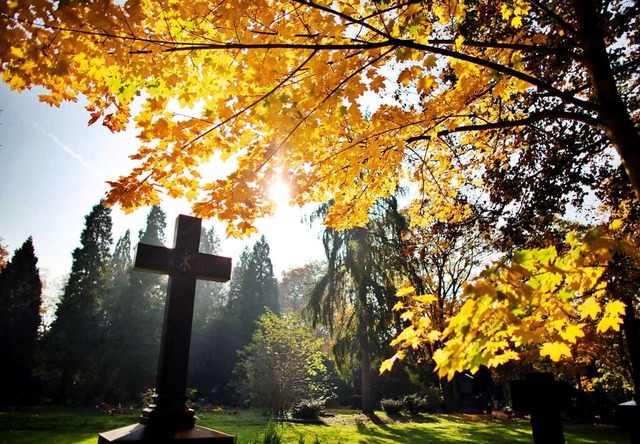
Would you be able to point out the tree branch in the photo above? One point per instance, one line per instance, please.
(535, 117)
(555, 17)
(498, 68)
(513, 46)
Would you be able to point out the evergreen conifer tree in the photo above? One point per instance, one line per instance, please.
(354, 299)
(207, 307)
(77, 335)
(253, 289)
(20, 296)
(117, 309)
(135, 315)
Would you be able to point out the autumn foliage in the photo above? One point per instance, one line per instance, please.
(348, 100)
(541, 298)
(343, 100)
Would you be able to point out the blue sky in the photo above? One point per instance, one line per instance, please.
(54, 168)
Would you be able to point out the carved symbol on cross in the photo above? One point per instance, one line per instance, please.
(185, 264)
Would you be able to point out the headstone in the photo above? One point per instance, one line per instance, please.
(629, 417)
(543, 399)
(169, 419)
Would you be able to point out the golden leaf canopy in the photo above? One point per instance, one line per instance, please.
(343, 100)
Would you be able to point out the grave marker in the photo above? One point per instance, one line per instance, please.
(169, 419)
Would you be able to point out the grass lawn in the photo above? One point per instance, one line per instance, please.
(81, 426)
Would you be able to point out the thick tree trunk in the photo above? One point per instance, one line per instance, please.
(631, 328)
(612, 111)
(367, 385)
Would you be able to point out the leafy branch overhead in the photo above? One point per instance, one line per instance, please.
(540, 298)
(344, 100)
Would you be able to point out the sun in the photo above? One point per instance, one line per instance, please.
(279, 193)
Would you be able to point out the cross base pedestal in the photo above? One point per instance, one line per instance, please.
(143, 433)
(176, 419)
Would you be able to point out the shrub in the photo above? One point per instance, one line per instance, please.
(283, 364)
(392, 406)
(433, 398)
(415, 404)
(271, 435)
(147, 397)
(308, 409)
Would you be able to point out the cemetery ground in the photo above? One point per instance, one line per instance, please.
(81, 426)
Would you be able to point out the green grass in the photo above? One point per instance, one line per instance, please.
(81, 426)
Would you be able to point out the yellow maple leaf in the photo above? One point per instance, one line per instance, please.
(572, 332)
(406, 316)
(555, 350)
(433, 336)
(516, 21)
(387, 364)
(425, 298)
(405, 291)
(616, 225)
(426, 84)
(589, 308)
(405, 77)
(612, 318)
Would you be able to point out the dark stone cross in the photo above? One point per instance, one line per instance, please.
(169, 418)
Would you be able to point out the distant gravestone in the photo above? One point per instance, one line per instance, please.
(169, 419)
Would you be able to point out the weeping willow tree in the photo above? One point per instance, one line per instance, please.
(355, 297)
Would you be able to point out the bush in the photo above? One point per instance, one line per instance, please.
(271, 435)
(392, 406)
(433, 398)
(308, 409)
(415, 404)
(148, 397)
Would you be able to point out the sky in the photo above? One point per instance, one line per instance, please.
(54, 169)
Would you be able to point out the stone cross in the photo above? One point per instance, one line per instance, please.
(169, 419)
(184, 264)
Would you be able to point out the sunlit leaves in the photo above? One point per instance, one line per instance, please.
(555, 350)
(590, 308)
(202, 87)
(612, 316)
(538, 298)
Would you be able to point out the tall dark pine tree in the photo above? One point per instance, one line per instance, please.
(121, 261)
(207, 307)
(209, 297)
(77, 334)
(253, 287)
(117, 309)
(135, 316)
(356, 295)
(153, 234)
(20, 296)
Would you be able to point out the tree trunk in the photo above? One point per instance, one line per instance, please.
(66, 382)
(631, 328)
(367, 389)
(612, 111)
